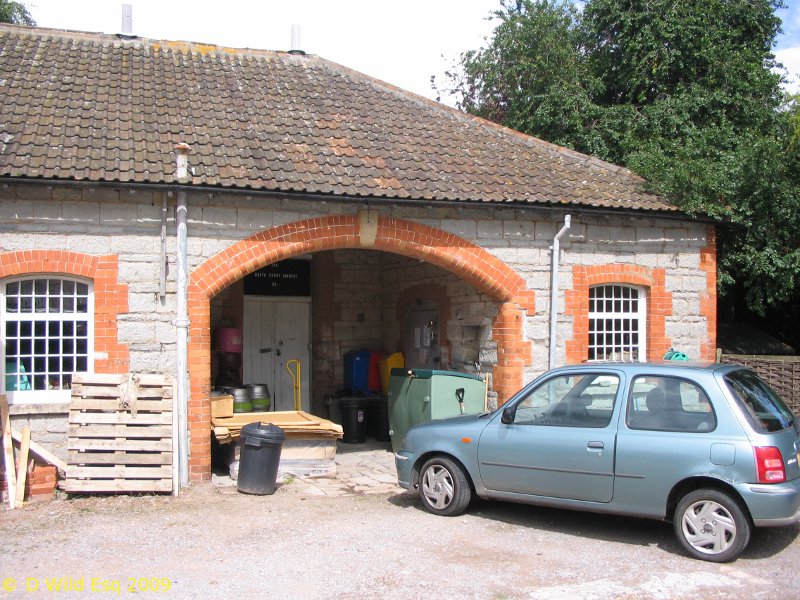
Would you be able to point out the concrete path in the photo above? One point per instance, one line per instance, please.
(366, 468)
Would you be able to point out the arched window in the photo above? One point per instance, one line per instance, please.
(47, 335)
(617, 323)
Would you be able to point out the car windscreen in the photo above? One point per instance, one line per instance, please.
(763, 407)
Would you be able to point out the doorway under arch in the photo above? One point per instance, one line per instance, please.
(365, 230)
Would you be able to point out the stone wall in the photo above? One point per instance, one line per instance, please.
(676, 257)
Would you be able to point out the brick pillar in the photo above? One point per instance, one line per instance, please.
(198, 363)
(513, 352)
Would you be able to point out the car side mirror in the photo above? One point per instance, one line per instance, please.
(508, 415)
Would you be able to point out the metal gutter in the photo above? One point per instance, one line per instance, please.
(555, 254)
(378, 200)
(182, 315)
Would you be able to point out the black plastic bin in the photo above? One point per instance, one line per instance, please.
(259, 457)
(354, 419)
(379, 418)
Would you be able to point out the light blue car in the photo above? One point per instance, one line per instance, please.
(709, 447)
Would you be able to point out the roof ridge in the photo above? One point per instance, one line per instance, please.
(179, 45)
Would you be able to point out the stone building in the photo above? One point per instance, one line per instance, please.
(326, 212)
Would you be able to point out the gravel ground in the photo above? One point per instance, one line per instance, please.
(213, 541)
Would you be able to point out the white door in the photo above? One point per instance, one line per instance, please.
(277, 330)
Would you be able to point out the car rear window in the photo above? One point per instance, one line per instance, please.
(662, 403)
(763, 407)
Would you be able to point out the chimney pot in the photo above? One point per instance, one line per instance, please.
(127, 19)
(295, 48)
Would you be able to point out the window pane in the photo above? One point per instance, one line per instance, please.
(669, 404)
(570, 401)
(614, 323)
(765, 410)
(41, 353)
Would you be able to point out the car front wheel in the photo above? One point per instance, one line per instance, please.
(444, 487)
(711, 525)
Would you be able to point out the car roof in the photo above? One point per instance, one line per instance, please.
(671, 366)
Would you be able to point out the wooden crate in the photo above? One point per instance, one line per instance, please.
(120, 434)
(221, 406)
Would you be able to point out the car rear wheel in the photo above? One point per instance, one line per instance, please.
(444, 487)
(711, 525)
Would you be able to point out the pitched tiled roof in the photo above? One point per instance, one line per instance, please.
(93, 107)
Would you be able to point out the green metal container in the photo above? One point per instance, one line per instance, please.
(420, 395)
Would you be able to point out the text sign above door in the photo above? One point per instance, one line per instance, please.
(285, 278)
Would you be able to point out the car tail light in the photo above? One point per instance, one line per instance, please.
(769, 465)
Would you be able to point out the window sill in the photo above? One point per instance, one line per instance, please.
(41, 408)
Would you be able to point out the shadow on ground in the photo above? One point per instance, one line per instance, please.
(764, 542)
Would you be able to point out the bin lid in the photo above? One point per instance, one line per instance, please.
(428, 373)
(264, 431)
(355, 401)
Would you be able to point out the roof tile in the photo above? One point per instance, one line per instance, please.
(96, 107)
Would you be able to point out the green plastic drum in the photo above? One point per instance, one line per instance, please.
(420, 395)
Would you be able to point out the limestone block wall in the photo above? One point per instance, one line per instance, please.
(127, 223)
(118, 231)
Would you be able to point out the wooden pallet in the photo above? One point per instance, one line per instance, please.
(295, 423)
(120, 434)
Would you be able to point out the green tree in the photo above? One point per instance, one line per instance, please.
(682, 92)
(15, 12)
(532, 76)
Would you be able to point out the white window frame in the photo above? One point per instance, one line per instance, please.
(46, 396)
(622, 313)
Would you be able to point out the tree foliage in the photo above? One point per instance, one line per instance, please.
(15, 12)
(684, 92)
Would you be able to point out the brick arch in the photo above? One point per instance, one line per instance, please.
(365, 230)
(659, 305)
(110, 296)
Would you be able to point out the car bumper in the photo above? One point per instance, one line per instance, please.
(773, 505)
(404, 464)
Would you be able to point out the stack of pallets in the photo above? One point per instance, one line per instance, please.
(295, 423)
(120, 434)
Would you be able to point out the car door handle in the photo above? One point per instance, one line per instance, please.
(265, 350)
(595, 445)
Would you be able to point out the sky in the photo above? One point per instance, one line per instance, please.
(402, 42)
